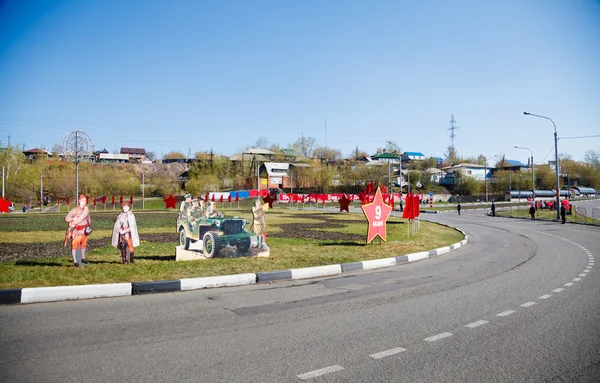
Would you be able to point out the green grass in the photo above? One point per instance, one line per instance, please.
(156, 260)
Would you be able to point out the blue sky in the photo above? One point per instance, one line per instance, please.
(181, 75)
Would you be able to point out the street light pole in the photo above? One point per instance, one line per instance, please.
(556, 163)
(532, 173)
(485, 178)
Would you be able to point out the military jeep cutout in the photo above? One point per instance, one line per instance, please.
(214, 232)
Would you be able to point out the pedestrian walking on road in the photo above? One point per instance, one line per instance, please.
(532, 212)
(563, 213)
(493, 209)
(458, 207)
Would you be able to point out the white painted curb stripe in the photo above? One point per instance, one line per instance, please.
(418, 256)
(383, 354)
(444, 250)
(63, 293)
(220, 281)
(318, 271)
(377, 263)
(322, 371)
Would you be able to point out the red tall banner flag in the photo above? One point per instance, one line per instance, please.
(229, 198)
(408, 208)
(237, 197)
(131, 200)
(221, 199)
(416, 206)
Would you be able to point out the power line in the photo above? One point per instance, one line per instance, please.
(568, 138)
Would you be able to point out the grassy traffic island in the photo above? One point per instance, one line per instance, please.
(32, 252)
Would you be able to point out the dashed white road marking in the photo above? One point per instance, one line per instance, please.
(389, 352)
(589, 267)
(322, 371)
(438, 337)
(476, 324)
(569, 284)
(586, 271)
(576, 279)
(582, 275)
(505, 313)
(528, 304)
(545, 296)
(558, 290)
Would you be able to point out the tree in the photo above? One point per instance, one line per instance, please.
(174, 156)
(327, 154)
(305, 146)
(151, 156)
(592, 157)
(451, 155)
(260, 143)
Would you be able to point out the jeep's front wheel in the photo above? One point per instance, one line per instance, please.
(184, 241)
(210, 244)
(243, 245)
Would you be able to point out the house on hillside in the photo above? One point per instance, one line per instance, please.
(134, 153)
(35, 154)
(477, 172)
(112, 158)
(412, 156)
(280, 175)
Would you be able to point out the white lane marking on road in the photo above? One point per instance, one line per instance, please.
(389, 352)
(476, 324)
(505, 313)
(569, 284)
(582, 275)
(558, 290)
(576, 279)
(528, 304)
(589, 267)
(545, 296)
(438, 337)
(322, 371)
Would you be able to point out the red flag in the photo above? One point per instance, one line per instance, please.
(237, 197)
(58, 201)
(121, 199)
(113, 200)
(416, 206)
(213, 198)
(95, 201)
(206, 197)
(408, 209)
(87, 199)
(68, 201)
(131, 200)
(221, 199)
(383, 189)
(229, 198)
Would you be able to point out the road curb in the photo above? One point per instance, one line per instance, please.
(62, 293)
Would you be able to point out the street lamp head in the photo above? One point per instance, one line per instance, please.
(516, 147)
(526, 113)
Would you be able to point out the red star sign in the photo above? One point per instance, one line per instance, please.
(377, 213)
(4, 204)
(269, 199)
(170, 201)
(344, 203)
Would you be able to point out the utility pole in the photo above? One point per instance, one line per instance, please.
(452, 128)
(2, 181)
(142, 191)
(41, 194)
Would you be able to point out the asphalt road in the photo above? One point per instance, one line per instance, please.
(520, 303)
(590, 207)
